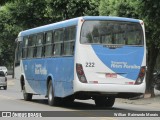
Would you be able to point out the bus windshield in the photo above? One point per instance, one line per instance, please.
(111, 32)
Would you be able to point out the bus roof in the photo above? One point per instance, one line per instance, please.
(49, 27)
(110, 18)
(72, 22)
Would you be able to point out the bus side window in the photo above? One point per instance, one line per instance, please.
(24, 49)
(31, 46)
(58, 42)
(39, 45)
(69, 40)
(18, 54)
(48, 45)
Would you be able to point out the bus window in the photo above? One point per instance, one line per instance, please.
(39, 45)
(24, 50)
(58, 41)
(18, 53)
(69, 41)
(48, 45)
(31, 46)
(111, 32)
(134, 35)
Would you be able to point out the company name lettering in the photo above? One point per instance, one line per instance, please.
(40, 70)
(123, 65)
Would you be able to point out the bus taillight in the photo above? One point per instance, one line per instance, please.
(141, 75)
(80, 73)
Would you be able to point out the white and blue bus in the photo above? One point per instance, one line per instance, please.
(90, 57)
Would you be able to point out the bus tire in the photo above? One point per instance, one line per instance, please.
(100, 101)
(52, 100)
(27, 96)
(110, 101)
(104, 101)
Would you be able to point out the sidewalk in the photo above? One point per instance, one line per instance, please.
(155, 102)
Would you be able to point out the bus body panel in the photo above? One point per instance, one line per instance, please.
(124, 63)
(96, 76)
(61, 69)
(110, 89)
(29, 88)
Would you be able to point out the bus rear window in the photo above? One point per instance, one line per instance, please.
(111, 32)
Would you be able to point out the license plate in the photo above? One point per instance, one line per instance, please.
(111, 75)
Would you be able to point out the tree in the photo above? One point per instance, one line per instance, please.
(150, 13)
(122, 8)
(18, 15)
(66, 9)
(15, 17)
(2, 2)
(29, 13)
(7, 37)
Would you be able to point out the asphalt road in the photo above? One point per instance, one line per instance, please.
(12, 100)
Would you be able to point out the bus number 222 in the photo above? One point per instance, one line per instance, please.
(90, 64)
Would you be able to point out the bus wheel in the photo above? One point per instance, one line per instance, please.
(104, 102)
(52, 100)
(110, 101)
(27, 96)
(100, 101)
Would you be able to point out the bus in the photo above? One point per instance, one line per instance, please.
(91, 57)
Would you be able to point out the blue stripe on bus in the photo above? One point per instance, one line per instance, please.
(125, 61)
